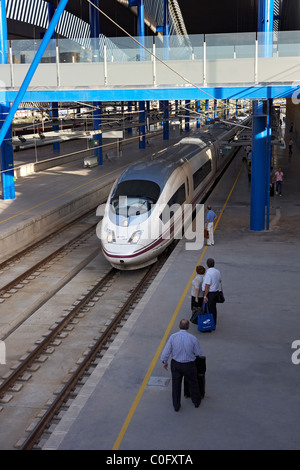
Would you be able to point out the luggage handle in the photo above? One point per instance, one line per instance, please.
(203, 309)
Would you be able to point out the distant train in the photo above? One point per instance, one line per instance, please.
(137, 225)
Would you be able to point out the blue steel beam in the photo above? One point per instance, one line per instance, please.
(154, 93)
(32, 68)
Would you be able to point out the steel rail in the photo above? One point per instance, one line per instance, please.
(44, 261)
(13, 377)
(23, 252)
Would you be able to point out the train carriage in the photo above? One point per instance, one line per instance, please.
(144, 212)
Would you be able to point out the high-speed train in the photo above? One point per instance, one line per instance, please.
(143, 213)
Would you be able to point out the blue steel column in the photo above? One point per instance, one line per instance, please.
(198, 109)
(54, 105)
(141, 33)
(187, 114)
(265, 25)
(7, 154)
(55, 124)
(97, 114)
(268, 161)
(215, 109)
(129, 109)
(142, 115)
(258, 173)
(141, 27)
(142, 127)
(206, 111)
(166, 127)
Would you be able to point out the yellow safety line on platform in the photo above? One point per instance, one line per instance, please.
(167, 332)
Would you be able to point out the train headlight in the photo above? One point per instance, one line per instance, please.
(111, 236)
(135, 236)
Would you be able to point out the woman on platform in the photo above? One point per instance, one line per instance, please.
(196, 290)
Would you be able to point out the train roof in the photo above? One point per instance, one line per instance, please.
(162, 165)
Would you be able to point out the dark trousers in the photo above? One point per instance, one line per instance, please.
(194, 304)
(187, 370)
(279, 186)
(212, 304)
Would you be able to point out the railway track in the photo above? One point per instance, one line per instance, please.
(72, 338)
(92, 355)
(40, 264)
(32, 278)
(19, 256)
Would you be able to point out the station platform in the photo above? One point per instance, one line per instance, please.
(48, 199)
(252, 396)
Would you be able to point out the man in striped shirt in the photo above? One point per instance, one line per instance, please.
(183, 347)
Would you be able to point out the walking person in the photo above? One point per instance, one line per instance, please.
(209, 222)
(183, 347)
(278, 177)
(211, 286)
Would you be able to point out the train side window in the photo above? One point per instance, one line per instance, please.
(177, 198)
(201, 173)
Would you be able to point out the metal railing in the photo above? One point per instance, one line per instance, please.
(219, 59)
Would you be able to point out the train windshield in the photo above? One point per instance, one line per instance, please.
(134, 197)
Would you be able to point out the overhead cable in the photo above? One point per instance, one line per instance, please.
(148, 50)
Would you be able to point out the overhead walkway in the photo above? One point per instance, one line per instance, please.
(220, 66)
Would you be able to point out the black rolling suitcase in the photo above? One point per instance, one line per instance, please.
(201, 369)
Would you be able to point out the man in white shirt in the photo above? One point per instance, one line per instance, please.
(210, 287)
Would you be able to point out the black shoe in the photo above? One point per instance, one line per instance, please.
(177, 409)
(197, 406)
